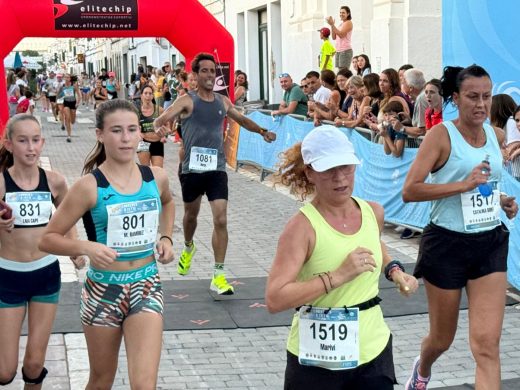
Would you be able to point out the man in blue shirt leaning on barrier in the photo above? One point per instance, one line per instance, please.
(204, 166)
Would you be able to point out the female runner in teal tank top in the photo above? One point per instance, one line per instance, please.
(126, 208)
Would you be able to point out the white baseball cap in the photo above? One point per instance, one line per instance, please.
(326, 147)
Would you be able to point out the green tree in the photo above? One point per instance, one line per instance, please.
(30, 53)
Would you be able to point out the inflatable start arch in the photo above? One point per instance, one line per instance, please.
(185, 23)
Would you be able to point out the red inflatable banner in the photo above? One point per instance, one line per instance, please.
(187, 25)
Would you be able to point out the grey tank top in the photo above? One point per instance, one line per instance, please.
(203, 129)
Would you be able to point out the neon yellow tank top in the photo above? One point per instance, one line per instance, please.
(331, 249)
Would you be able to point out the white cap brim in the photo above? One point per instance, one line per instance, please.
(333, 161)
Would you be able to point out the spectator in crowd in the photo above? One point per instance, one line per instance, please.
(103, 77)
(26, 103)
(401, 70)
(513, 146)
(329, 257)
(13, 93)
(329, 111)
(241, 86)
(159, 83)
(389, 87)
(371, 83)
(501, 115)
(363, 64)
(304, 86)
(433, 114)
(393, 141)
(320, 93)
(341, 81)
(193, 81)
(413, 86)
(327, 50)
(354, 116)
(343, 36)
(294, 100)
(354, 64)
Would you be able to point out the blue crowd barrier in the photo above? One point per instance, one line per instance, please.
(379, 178)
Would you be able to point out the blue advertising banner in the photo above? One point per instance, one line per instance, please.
(483, 32)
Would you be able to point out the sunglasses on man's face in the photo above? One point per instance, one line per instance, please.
(304, 86)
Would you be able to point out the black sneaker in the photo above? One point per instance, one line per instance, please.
(68, 139)
(63, 127)
(408, 233)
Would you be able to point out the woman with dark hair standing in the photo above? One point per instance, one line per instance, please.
(465, 245)
(241, 86)
(343, 36)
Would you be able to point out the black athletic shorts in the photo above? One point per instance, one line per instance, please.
(70, 104)
(448, 259)
(52, 99)
(156, 149)
(378, 374)
(214, 184)
(42, 285)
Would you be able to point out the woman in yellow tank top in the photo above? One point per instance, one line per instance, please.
(327, 265)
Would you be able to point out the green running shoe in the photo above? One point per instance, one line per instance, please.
(220, 285)
(183, 267)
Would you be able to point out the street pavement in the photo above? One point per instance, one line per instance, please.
(238, 358)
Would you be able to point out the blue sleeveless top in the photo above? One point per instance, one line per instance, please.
(127, 223)
(447, 212)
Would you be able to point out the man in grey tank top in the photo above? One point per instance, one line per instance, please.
(204, 166)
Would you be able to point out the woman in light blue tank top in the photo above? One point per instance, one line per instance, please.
(465, 244)
(127, 207)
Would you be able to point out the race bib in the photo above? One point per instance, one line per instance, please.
(132, 226)
(480, 212)
(329, 338)
(30, 208)
(69, 93)
(203, 159)
(143, 146)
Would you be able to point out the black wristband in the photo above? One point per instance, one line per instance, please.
(168, 238)
(390, 266)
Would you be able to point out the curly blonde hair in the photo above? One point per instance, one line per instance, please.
(291, 172)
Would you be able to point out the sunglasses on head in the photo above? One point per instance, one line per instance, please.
(283, 75)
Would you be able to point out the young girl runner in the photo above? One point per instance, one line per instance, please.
(125, 207)
(29, 277)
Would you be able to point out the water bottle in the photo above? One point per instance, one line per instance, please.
(485, 188)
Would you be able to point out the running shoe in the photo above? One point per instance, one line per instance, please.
(414, 382)
(183, 267)
(220, 285)
(63, 127)
(408, 233)
(69, 139)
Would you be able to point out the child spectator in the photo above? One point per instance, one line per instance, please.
(393, 141)
(26, 103)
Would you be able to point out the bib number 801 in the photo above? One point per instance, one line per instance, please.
(323, 331)
(132, 222)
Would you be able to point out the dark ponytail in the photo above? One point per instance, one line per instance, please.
(453, 77)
